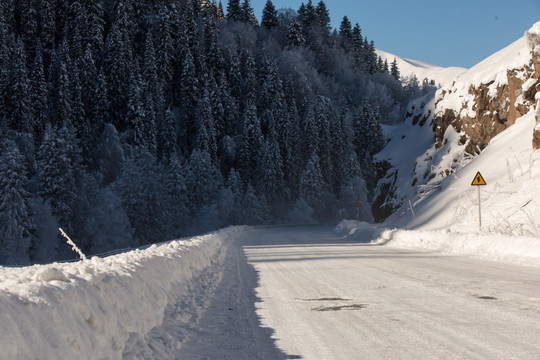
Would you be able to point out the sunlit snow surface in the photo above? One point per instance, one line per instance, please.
(447, 219)
(422, 70)
(112, 307)
(442, 213)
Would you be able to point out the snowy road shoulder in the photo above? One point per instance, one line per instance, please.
(335, 297)
(519, 250)
(110, 307)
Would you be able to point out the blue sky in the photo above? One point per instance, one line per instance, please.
(445, 33)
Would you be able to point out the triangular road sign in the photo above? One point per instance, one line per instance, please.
(478, 180)
(357, 204)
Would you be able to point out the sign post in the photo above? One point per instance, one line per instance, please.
(357, 206)
(479, 181)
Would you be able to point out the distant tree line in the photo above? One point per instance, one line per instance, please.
(130, 122)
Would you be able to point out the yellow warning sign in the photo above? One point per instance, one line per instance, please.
(357, 204)
(478, 180)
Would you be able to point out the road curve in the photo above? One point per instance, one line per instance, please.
(327, 297)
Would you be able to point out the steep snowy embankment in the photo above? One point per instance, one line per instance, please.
(483, 121)
(109, 307)
(446, 218)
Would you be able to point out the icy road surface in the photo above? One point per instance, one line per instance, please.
(314, 295)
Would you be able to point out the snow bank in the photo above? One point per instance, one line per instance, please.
(517, 250)
(353, 228)
(106, 307)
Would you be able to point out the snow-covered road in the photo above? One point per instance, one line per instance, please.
(315, 295)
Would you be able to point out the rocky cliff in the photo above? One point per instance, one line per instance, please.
(465, 114)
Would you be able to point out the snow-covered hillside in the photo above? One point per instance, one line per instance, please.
(428, 185)
(443, 215)
(443, 130)
(422, 70)
(110, 308)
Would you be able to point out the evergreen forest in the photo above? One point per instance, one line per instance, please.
(130, 122)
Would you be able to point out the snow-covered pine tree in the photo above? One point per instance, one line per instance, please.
(165, 49)
(310, 129)
(99, 107)
(75, 31)
(247, 13)
(380, 64)
(177, 196)
(95, 25)
(370, 57)
(358, 47)
(223, 99)
(118, 63)
(206, 131)
(234, 184)
(62, 111)
(269, 16)
(38, 94)
(16, 224)
(136, 114)
(189, 92)
(345, 33)
(47, 16)
(312, 185)
(324, 118)
(107, 226)
(394, 70)
(323, 20)
(295, 38)
(271, 88)
(167, 146)
(220, 13)
(203, 181)
(255, 208)
(212, 56)
(57, 176)
(81, 123)
(272, 182)
(88, 82)
(234, 11)
(141, 188)
(235, 76)
(19, 108)
(250, 85)
(216, 102)
(109, 156)
(252, 143)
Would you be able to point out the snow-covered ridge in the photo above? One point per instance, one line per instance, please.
(422, 70)
(107, 307)
(494, 67)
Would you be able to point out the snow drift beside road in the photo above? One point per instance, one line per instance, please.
(108, 307)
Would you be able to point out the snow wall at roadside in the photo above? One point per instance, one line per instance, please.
(107, 307)
(489, 246)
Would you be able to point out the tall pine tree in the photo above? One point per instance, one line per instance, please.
(16, 224)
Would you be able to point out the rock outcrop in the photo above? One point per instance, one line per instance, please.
(487, 109)
(534, 38)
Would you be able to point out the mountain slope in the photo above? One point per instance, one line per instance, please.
(421, 70)
(445, 130)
